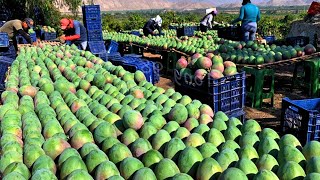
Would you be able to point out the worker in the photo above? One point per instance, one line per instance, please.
(151, 25)
(15, 27)
(249, 15)
(74, 32)
(207, 20)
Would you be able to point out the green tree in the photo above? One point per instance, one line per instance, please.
(73, 6)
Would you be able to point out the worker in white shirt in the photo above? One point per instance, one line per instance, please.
(208, 20)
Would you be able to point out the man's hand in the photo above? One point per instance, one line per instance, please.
(34, 43)
(63, 37)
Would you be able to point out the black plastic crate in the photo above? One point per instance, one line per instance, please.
(97, 47)
(95, 35)
(5, 62)
(298, 40)
(226, 94)
(173, 27)
(231, 33)
(185, 31)
(301, 118)
(4, 40)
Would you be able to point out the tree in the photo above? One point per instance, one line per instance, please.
(73, 6)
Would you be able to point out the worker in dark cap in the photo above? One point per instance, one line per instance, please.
(15, 27)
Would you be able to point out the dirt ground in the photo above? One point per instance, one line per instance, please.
(267, 116)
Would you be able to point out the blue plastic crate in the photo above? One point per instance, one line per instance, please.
(102, 55)
(4, 40)
(136, 33)
(21, 40)
(95, 35)
(240, 114)
(93, 25)
(112, 47)
(226, 94)
(96, 47)
(9, 51)
(5, 62)
(115, 58)
(269, 39)
(145, 68)
(150, 69)
(91, 8)
(90, 12)
(301, 118)
(49, 35)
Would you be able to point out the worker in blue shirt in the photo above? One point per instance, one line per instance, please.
(249, 15)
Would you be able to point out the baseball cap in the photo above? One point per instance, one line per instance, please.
(29, 22)
(64, 23)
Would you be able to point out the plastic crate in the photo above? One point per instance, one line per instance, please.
(136, 33)
(185, 31)
(9, 51)
(231, 33)
(150, 69)
(269, 39)
(301, 118)
(95, 35)
(102, 55)
(226, 94)
(4, 40)
(91, 12)
(172, 27)
(112, 47)
(21, 40)
(49, 35)
(240, 114)
(96, 47)
(93, 25)
(298, 40)
(5, 62)
(144, 67)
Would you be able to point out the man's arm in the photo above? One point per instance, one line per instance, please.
(240, 18)
(18, 27)
(25, 35)
(149, 23)
(259, 15)
(159, 29)
(77, 33)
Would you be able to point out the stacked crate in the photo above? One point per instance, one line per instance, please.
(92, 22)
